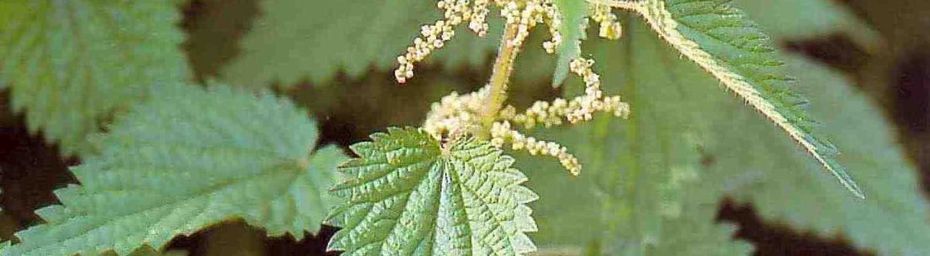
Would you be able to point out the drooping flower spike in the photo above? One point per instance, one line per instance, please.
(456, 115)
(526, 14)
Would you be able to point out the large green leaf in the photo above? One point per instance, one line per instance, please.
(70, 64)
(642, 186)
(733, 49)
(680, 123)
(777, 180)
(188, 159)
(408, 196)
(892, 223)
(341, 36)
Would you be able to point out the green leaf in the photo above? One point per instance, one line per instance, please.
(680, 121)
(71, 64)
(732, 48)
(188, 159)
(407, 196)
(777, 182)
(642, 186)
(574, 22)
(341, 36)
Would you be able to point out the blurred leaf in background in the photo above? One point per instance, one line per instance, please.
(70, 64)
(899, 74)
(340, 36)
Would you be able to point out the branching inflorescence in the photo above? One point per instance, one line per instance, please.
(482, 113)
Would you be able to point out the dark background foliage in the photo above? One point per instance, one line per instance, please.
(897, 76)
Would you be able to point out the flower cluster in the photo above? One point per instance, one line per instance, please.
(458, 115)
(501, 133)
(433, 36)
(525, 14)
(603, 14)
(578, 109)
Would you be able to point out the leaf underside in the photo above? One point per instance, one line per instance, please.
(189, 159)
(720, 39)
(406, 196)
(70, 64)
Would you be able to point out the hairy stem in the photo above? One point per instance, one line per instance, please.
(500, 76)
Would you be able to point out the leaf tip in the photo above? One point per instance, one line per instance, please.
(852, 187)
(845, 179)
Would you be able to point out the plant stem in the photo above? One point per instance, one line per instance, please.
(503, 67)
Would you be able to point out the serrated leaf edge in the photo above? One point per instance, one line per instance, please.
(661, 21)
(523, 222)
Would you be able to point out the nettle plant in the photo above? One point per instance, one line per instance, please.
(162, 157)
